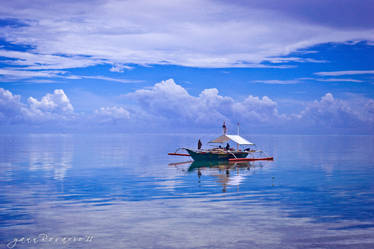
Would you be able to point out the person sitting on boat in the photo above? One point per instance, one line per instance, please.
(227, 146)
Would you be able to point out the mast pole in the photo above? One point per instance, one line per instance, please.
(237, 145)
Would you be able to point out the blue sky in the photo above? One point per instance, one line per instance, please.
(186, 66)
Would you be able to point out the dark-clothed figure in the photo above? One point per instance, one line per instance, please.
(224, 128)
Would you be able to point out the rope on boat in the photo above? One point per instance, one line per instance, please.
(232, 154)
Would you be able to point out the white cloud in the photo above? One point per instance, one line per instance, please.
(332, 112)
(165, 99)
(189, 33)
(119, 68)
(339, 80)
(340, 73)
(279, 82)
(41, 81)
(171, 101)
(259, 109)
(37, 61)
(10, 73)
(98, 77)
(11, 108)
(112, 114)
(168, 106)
(56, 102)
(51, 107)
(294, 59)
(300, 80)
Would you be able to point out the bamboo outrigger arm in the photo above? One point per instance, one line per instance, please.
(178, 154)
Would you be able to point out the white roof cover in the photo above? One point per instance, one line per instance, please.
(235, 138)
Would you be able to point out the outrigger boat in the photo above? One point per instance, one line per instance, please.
(223, 154)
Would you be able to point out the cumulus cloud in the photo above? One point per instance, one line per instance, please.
(170, 100)
(51, 107)
(259, 109)
(169, 106)
(165, 99)
(332, 112)
(197, 33)
(11, 108)
(112, 114)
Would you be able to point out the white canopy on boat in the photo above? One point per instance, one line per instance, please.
(235, 138)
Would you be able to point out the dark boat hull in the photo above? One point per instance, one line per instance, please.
(215, 156)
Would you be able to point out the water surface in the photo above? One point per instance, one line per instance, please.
(123, 191)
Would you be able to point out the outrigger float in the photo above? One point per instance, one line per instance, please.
(224, 153)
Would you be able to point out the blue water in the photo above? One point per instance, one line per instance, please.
(124, 191)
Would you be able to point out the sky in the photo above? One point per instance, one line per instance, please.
(278, 67)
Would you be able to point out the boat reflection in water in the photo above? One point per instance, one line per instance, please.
(226, 173)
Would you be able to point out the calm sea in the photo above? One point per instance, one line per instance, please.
(124, 191)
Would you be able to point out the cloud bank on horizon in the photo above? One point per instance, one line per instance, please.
(169, 105)
(271, 50)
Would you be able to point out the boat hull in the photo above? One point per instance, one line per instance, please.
(215, 156)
